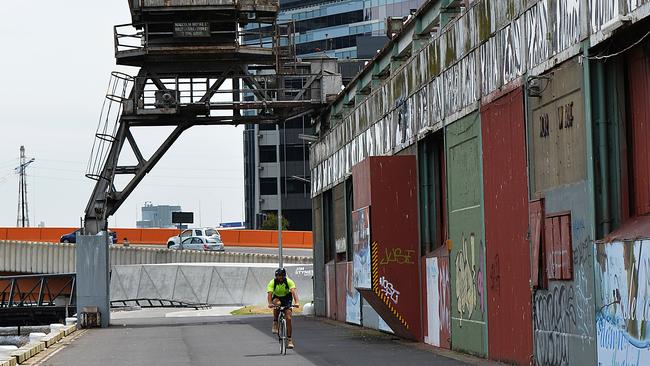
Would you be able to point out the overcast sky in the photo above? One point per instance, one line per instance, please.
(56, 59)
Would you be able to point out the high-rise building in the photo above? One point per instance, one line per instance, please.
(159, 216)
(351, 31)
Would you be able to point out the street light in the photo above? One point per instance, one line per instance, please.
(308, 138)
(302, 179)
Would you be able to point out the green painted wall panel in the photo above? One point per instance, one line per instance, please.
(467, 256)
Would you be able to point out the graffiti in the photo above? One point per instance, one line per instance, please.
(437, 272)
(469, 278)
(307, 272)
(403, 117)
(495, 276)
(544, 125)
(397, 255)
(341, 245)
(555, 316)
(352, 298)
(444, 300)
(623, 310)
(361, 248)
(388, 289)
(624, 307)
(581, 264)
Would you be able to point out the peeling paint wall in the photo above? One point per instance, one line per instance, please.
(438, 302)
(563, 314)
(623, 303)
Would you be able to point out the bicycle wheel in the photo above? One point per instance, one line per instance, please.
(283, 339)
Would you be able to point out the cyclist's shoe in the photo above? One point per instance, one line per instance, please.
(274, 329)
(290, 343)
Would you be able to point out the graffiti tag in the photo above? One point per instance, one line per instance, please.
(555, 316)
(397, 255)
(469, 279)
(307, 272)
(388, 289)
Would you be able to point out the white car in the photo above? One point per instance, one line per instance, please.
(199, 243)
(208, 232)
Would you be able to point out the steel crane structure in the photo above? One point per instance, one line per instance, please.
(197, 58)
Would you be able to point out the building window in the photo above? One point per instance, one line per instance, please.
(268, 186)
(267, 154)
(294, 153)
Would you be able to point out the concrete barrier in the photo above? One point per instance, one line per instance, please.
(32, 257)
(207, 283)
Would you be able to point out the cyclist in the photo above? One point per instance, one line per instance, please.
(282, 292)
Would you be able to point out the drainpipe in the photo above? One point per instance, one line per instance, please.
(601, 120)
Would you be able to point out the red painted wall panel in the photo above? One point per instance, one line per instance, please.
(536, 230)
(506, 229)
(639, 94)
(567, 253)
(341, 289)
(389, 186)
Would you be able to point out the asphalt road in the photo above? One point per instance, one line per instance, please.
(236, 341)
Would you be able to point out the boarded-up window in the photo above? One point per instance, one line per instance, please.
(557, 247)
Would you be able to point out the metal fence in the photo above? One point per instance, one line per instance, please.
(30, 257)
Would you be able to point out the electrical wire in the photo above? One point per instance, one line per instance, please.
(619, 52)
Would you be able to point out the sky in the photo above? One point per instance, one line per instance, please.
(55, 62)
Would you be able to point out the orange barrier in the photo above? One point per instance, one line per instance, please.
(241, 238)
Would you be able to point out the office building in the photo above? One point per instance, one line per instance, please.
(351, 31)
(158, 216)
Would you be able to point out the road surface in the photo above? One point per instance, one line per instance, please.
(235, 341)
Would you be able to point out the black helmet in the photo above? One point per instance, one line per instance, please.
(280, 272)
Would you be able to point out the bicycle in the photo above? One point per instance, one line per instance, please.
(282, 328)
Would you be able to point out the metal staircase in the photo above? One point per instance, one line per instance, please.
(193, 62)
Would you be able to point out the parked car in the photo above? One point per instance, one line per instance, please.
(72, 237)
(199, 243)
(208, 232)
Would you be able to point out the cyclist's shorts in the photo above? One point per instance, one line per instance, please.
(284, 300)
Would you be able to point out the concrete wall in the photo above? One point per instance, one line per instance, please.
(211, 283)
(29, 257)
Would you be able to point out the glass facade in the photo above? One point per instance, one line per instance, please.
(332, 28)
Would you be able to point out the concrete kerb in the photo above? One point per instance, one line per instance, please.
(8, 362)
(30, 350)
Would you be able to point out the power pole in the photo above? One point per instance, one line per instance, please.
(23, 209)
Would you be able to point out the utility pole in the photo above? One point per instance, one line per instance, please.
(23, 210)
(279, 165)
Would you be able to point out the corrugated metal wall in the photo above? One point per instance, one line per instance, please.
(467, 257)
(506, 229)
